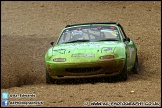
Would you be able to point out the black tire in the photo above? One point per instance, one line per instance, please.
(49, 79)
(124, 75)
(136, 66)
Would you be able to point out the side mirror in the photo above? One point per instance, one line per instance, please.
(52, 43)
(128, 39)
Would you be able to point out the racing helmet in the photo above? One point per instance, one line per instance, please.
(77, 35)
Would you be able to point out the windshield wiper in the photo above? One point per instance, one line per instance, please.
(77, 41)
(109, 40)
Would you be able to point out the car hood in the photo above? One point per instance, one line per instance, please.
(85, 47)
(84, 51)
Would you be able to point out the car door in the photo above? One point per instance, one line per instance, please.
(131, 53)
(128, 52)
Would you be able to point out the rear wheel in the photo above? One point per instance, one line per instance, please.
(136, 66)
(49, 79)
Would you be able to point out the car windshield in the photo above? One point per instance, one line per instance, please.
(89, 34)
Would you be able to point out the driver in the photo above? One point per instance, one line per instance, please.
(77, 35)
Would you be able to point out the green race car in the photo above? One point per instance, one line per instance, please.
(91, 50)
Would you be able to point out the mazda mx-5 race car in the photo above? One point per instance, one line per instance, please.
(91, 50)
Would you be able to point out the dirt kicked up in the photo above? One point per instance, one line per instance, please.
(27, 28)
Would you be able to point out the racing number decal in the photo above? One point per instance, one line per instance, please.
(131, 49)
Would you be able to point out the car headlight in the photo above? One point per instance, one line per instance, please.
(107, 57)
(59, 59)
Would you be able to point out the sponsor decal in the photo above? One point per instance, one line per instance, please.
(109, 42)
(84, 45)
(83, 55)
(131, 49)
(107, 49)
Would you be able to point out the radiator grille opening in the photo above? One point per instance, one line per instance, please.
(87, 69)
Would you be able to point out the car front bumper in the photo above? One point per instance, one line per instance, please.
(85, 70)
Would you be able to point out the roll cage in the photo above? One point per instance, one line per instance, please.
(91, 23)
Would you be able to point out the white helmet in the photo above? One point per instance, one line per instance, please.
(77, 34)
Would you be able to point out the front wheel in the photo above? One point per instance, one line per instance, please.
(49, 79)
(124, 75)
(136, 66)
